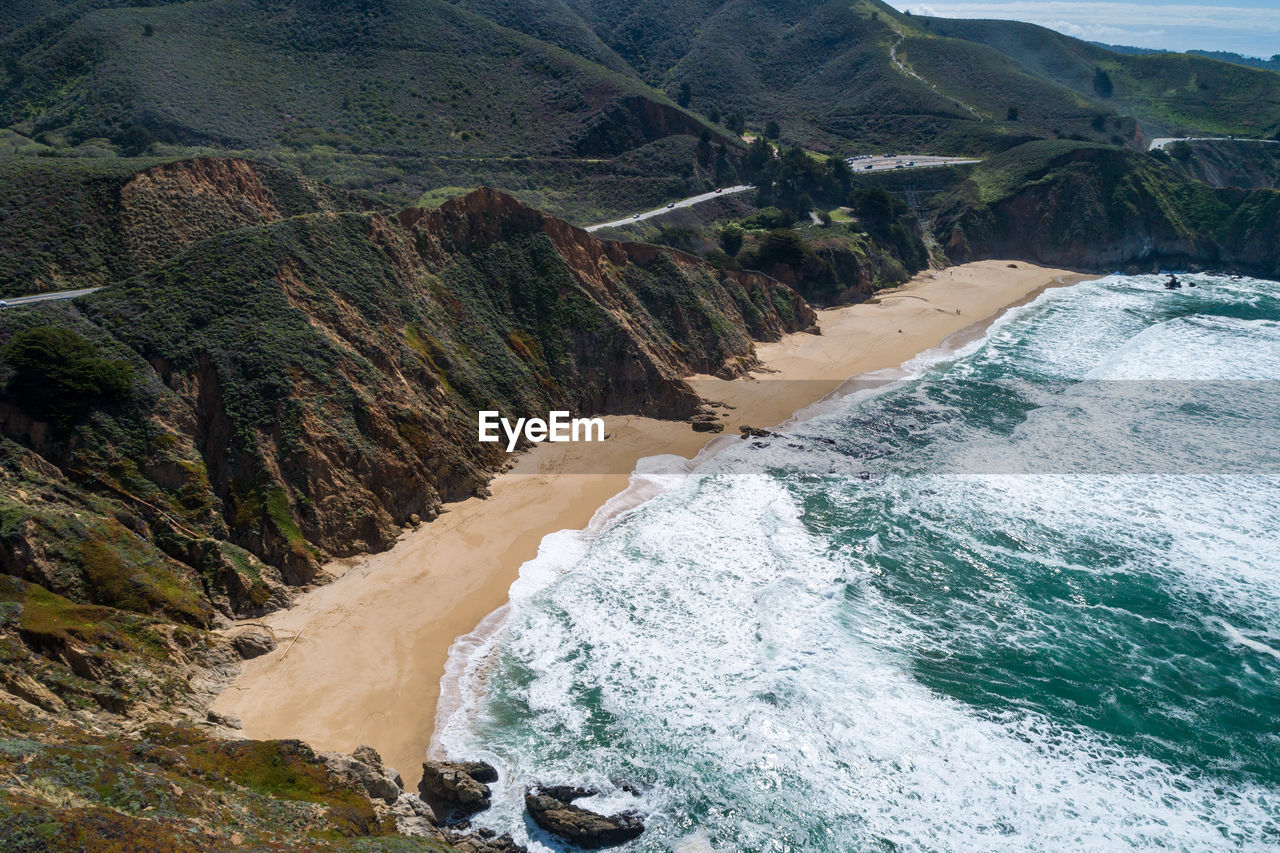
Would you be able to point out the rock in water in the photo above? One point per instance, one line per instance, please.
(458, 785)
(577, 825)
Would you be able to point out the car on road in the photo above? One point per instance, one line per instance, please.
(718, 189)
(869, 166)
(911, 162)
(3, 304)
(635, 216)
(899, 166)
(670, 205)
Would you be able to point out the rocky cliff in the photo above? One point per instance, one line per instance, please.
(1098, 208)
(287, 381)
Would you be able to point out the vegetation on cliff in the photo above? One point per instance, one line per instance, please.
(280, 381)
(1097, 207)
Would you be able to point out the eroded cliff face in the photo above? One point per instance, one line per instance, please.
(307, 385)
(1102, 209)
(303, 382)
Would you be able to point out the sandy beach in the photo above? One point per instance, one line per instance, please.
(359, 661)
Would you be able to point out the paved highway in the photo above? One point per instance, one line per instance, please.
(1162, 141)
(868, 164)
(15, 301)
(684, 202)
(906, 161)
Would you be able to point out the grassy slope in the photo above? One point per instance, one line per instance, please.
(465, 93)
(67, 223)
(248, 74)
(825, 73)
(1169, 94)
(282, 82)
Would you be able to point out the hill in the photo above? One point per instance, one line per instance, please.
(360, 94)
(588, 108)
(1100, 208)
(1170, 94)
(1272, 64)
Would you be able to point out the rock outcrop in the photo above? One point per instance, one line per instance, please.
(253, 642)
(459, 786)
(552, 809)
(363, 770)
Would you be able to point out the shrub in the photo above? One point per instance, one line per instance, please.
(769, 218)
(731, 240)
(781, 246)
(58, 375)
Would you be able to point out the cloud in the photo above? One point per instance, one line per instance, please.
(1176, 25)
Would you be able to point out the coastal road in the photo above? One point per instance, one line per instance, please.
(684, 202)
(858, 165)
(1163, 141)
(906, 161)
(15, 301)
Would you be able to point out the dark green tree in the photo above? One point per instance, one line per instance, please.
(771, 129)
(58, 375)
(685, 96)
(1102, 84)
(731, 240)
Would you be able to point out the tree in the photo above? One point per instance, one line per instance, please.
(838, 178)
(780, 246)
(1102, 83)
(731, 240)
(685, 96)
(58, 375)
(714, 115)
(759, 155)
(771, 129)
(1012, 115)
(136, 139)
(736, 123)
(148, 31)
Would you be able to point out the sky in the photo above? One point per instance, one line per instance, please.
(1250, 27)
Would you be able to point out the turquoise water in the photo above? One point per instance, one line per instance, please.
(1027, 598)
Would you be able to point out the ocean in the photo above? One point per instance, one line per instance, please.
(1022, 595)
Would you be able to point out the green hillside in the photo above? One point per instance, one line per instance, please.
(1097, 207)
(1171, 94)
(588, 108)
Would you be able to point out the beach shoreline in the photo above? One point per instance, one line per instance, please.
(360, 659)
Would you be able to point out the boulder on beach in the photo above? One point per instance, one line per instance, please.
(253, 642)
(459, 785)
(574, 824)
